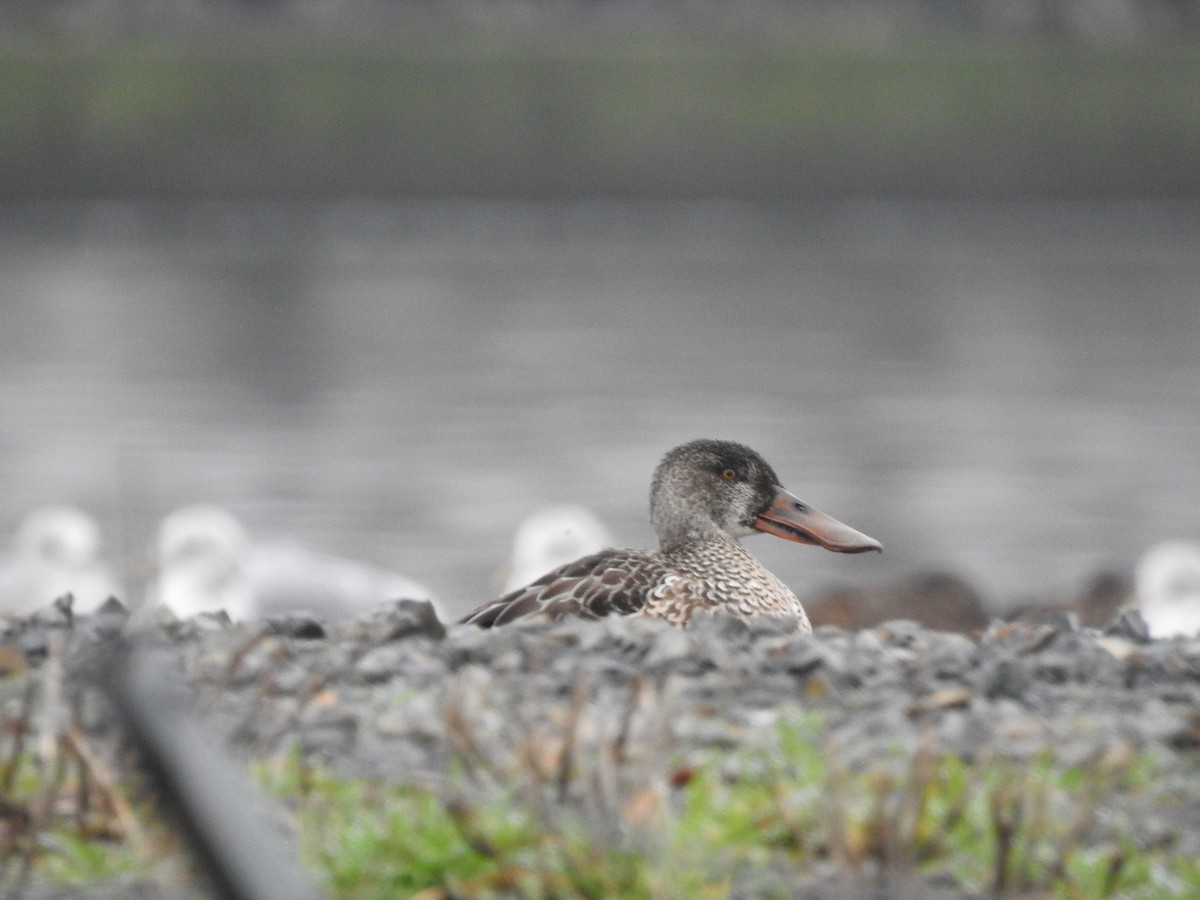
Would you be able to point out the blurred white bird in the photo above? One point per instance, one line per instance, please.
(1167, 587)
(551, 536)
(206, 562)
(56, 551)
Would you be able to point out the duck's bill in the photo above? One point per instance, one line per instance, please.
(792, 519)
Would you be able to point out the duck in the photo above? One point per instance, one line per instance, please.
(551, 536)
(56, 551)
(1167, 588)
(206, 562)
(705, 496)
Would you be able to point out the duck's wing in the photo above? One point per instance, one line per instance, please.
(611, 582)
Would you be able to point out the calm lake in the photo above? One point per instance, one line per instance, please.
(1008, 391)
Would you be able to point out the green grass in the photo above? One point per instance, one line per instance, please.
(72, 858)
(595, 819)
(754, 822)
(66, 817)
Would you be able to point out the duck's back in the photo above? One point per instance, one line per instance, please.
(611, 582)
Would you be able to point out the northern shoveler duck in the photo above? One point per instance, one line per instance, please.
(56, 551)
(704, 497)
(552, 536)
(207, 562)
(1167, 588)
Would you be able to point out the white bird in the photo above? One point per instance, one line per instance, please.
(206, 562)
(551, 536)
(1167, 587)
(56, 551)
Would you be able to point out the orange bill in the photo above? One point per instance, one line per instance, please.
(792, 519)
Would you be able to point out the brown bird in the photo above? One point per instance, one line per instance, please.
(705, 496)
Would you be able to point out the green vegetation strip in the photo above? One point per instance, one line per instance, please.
(750, 824)
(665, 118)
(755, 821)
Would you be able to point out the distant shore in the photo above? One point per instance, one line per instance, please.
(537, 113)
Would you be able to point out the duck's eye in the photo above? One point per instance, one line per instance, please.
(729, 475)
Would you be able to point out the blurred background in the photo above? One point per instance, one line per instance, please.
(383, 277)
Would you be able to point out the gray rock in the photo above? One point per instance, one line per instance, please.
(35, 645)
(397, 621)
(1005, 676)
(1130, 625)
(798, 656)
(297, 624)
(679, 652)
(417, 718)
(58, 614)
(327, 731)
(108, 621)
(379, 664)
(291, 677)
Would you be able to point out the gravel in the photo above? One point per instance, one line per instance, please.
(397, 694)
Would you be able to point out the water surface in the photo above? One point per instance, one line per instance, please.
(1009, 391)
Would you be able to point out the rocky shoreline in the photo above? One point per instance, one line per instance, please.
(399, 695)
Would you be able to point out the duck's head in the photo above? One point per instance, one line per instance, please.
(705, 489)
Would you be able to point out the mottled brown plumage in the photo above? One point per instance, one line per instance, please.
(704, 497)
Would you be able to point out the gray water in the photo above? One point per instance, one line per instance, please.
(1007, 391)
